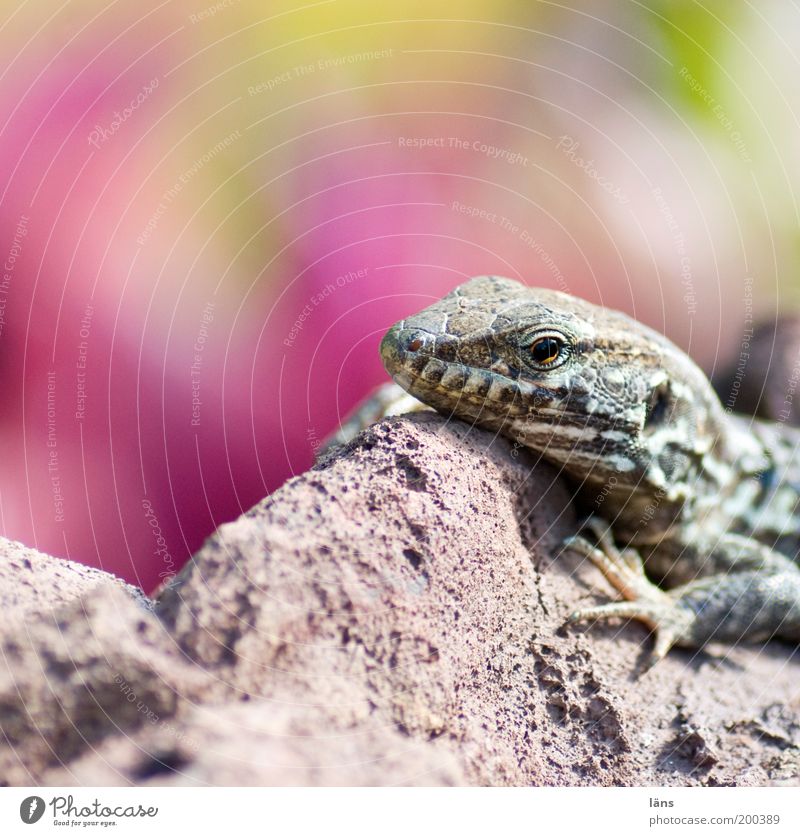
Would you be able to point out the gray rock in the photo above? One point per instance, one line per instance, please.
(394, 616)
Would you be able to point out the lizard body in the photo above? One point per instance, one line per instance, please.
(674, 488)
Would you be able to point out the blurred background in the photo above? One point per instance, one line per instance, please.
(211, 211)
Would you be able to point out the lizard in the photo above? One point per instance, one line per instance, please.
(691, 511)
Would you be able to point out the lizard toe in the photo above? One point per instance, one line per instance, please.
(669, 621)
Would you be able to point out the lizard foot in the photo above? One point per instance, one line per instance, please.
(644, 600)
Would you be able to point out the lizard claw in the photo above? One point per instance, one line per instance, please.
(668, 621)
(644, 600)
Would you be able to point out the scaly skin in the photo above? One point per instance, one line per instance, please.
(674, 488)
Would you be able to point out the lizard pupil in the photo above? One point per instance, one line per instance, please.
(545, 350)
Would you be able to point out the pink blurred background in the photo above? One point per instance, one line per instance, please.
(210, 213)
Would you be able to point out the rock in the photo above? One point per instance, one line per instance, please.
(744, 386)
(395, 616)
(268, 743)
(81, 657)
(32, 582)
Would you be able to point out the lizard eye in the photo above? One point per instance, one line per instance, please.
(547, 351)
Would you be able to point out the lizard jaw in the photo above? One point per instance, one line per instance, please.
(420, 363)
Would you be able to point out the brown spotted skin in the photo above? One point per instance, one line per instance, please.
(704, 500)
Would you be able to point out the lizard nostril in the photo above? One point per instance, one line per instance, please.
(414, 342)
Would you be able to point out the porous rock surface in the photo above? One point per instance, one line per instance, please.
(393, 616)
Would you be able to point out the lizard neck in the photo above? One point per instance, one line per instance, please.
(716, 469)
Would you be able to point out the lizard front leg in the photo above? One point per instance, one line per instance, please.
(761, 601)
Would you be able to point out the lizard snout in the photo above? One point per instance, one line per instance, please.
(404, 348)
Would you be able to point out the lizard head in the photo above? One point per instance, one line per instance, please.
(591, 389)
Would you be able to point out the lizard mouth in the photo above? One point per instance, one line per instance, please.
(427, 366)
